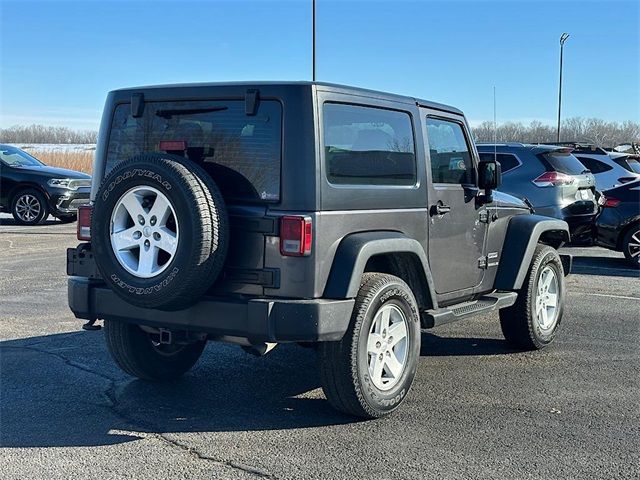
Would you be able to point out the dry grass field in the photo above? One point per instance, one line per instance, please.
(81, 160)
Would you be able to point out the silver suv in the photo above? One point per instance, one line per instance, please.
(551, 178)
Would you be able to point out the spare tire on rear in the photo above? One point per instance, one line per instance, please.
(159, 231)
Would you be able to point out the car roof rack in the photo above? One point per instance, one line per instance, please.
(581, 147)
(502, 144)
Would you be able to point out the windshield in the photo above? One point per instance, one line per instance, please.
(14, 157)
(564, 162)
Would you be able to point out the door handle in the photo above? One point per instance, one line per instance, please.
(440, 209)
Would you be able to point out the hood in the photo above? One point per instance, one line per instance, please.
(505, 200)
(55, 172)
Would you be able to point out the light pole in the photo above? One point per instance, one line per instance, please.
(313, 42)
(563, 38)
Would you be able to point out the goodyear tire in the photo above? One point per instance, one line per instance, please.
(138, 355)
(159, 231)
(533, 321)
(370, 371)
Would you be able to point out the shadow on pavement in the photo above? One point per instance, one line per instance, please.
(10, 222)
(436, 346)
(603, 266)
(64, 390)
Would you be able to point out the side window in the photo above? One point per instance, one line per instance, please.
(449, 152)
(506, 160)
(594, 165)
(368, 146)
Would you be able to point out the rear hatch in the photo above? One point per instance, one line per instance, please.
(238, 142)
(575, 183)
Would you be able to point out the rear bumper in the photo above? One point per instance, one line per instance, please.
(258, 320)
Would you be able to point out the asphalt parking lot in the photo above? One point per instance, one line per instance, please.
(477, 409)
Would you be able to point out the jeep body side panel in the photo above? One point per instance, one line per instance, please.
(355, 251)
(522, 237)
(501, 211)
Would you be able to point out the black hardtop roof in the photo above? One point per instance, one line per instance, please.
(322, 86)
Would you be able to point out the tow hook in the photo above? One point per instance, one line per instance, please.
(91, 326)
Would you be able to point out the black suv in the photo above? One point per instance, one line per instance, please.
(31, 190)
(303, 212)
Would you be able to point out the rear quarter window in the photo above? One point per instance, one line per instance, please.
(595, 166)
(368, 146)
(506, 160)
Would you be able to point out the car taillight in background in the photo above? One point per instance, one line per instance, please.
(84, 222)
(553, 179)
(295, 236)
(610, 202)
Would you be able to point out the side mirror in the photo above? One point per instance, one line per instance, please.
(489, 178)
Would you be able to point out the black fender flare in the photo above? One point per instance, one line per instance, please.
(354, 252)
(522, 237)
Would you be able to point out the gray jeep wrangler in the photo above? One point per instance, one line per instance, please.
(262, 213)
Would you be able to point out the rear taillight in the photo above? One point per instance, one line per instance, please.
(611, 202)
(553, 179)
(84, 222)
(295, 236)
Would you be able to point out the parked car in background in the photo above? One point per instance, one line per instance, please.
(551, 179)
(618, 226)
(609, 168)
(31, 190)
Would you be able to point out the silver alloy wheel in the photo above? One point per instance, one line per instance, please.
(27, 207)
(547, 299)
(144, 232)
(634, 246)
(387, 346)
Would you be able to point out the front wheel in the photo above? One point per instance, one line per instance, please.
(137, 353)
(30, 207)
(631, 246)
(370, 371)
(533, 321)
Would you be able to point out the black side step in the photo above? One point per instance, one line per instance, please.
(485, 304)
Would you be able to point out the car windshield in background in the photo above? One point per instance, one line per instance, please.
(244, 150)
(564, 162)
(15, 157)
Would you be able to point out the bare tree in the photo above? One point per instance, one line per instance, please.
(44, 134)
(592, 130)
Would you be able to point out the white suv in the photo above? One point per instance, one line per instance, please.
(610, 169)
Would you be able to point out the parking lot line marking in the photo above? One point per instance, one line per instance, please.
(605, 295)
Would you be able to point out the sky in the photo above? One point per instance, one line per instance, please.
(59, 59)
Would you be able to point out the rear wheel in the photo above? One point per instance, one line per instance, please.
(370, 371)
(29, 207)
(631, 246)
(141, 355)
(532, 322)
